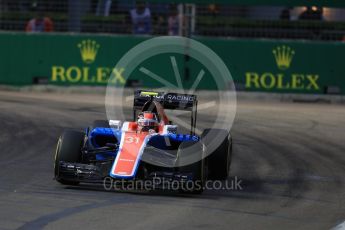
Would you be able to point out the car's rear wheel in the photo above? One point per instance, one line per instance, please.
(219, 161)
(68, 149)
(197, 169)
(100, 124)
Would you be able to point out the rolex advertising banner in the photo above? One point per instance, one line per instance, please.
(255, 65)
(283, 66)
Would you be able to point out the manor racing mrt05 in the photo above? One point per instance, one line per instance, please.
(146, 148)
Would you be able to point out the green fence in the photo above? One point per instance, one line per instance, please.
(256, 65)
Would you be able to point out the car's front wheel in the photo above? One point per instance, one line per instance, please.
(197, 169)
(68, 149)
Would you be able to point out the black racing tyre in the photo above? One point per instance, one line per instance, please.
(100, 124)
(198, 169)
(68, 149)
(219, 161)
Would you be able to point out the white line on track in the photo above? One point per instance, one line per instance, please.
(339, 227)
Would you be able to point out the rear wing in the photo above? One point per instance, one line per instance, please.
(171, 101)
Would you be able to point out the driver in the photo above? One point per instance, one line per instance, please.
(147, 122)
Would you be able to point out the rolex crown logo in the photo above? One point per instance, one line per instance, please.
(283, 56)
(88, 50)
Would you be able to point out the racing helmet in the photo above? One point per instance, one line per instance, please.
(147, 121)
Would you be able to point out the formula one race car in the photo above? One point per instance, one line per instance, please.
(146, 148)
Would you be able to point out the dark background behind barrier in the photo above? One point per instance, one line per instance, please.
(280, 19)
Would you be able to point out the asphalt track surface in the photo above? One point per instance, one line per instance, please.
(289, 156)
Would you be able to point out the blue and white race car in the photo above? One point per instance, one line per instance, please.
(147, 148)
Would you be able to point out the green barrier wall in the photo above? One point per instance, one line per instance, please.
(256, 65)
